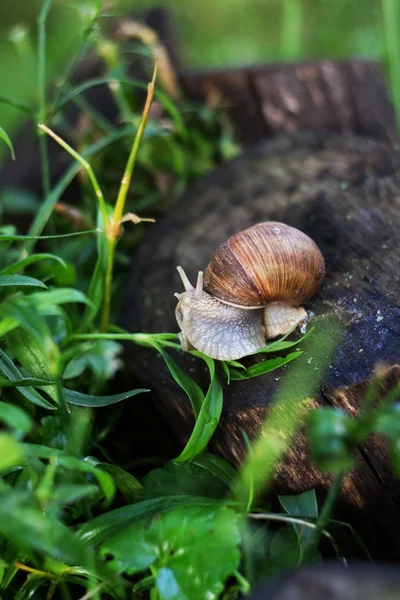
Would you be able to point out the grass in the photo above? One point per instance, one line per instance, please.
(75, 521)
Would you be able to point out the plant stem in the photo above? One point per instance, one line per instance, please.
(114, 229)
(85, 165)
(105, 315)
(28, 569)
(51, 590)
(290, 34)
(323, 518)
(126, 179)
(41, 51)
(391, 30)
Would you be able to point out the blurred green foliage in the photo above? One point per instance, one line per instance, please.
(231, 32)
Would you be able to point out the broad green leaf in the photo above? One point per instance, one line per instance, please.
(302, 505)
(218, 466)
(31, 343)
(20, 281)
(188, 479)
(8, 368)
(11, 453)
(73, 397)
(7, 140)
(102, 527)
(192, 551)
(29, 260)
(208, 416)
(15, 418)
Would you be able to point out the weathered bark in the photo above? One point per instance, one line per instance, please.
(333, 581)
(344, 192)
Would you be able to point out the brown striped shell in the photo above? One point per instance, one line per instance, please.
(265, 263)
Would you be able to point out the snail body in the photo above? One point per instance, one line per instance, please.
(252, 291)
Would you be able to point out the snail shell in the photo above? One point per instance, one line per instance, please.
(268, 262)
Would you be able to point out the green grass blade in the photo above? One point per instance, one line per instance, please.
(12, 373)
(73, 397)
(208, 416)
(29, 260)
(6, 139)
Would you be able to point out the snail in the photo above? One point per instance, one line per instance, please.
(251, 291)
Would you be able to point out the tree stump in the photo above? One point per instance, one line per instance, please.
(344, 192)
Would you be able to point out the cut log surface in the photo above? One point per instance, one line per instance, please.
(344, 192)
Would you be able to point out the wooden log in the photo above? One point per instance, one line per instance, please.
(324, 96)
(344, 192)
(333, 581)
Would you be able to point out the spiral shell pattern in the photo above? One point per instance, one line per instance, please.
(265, 263)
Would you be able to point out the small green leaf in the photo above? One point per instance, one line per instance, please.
(266, 366)
(11, 453)
(20, 281)
(284, 551)
(70, 493)
(279, 345)
(126, 483)
(7, 140)
(105, 481)
(302, 505)
(15, 418)
(331, 441)
(73, 397)
(59, 296)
